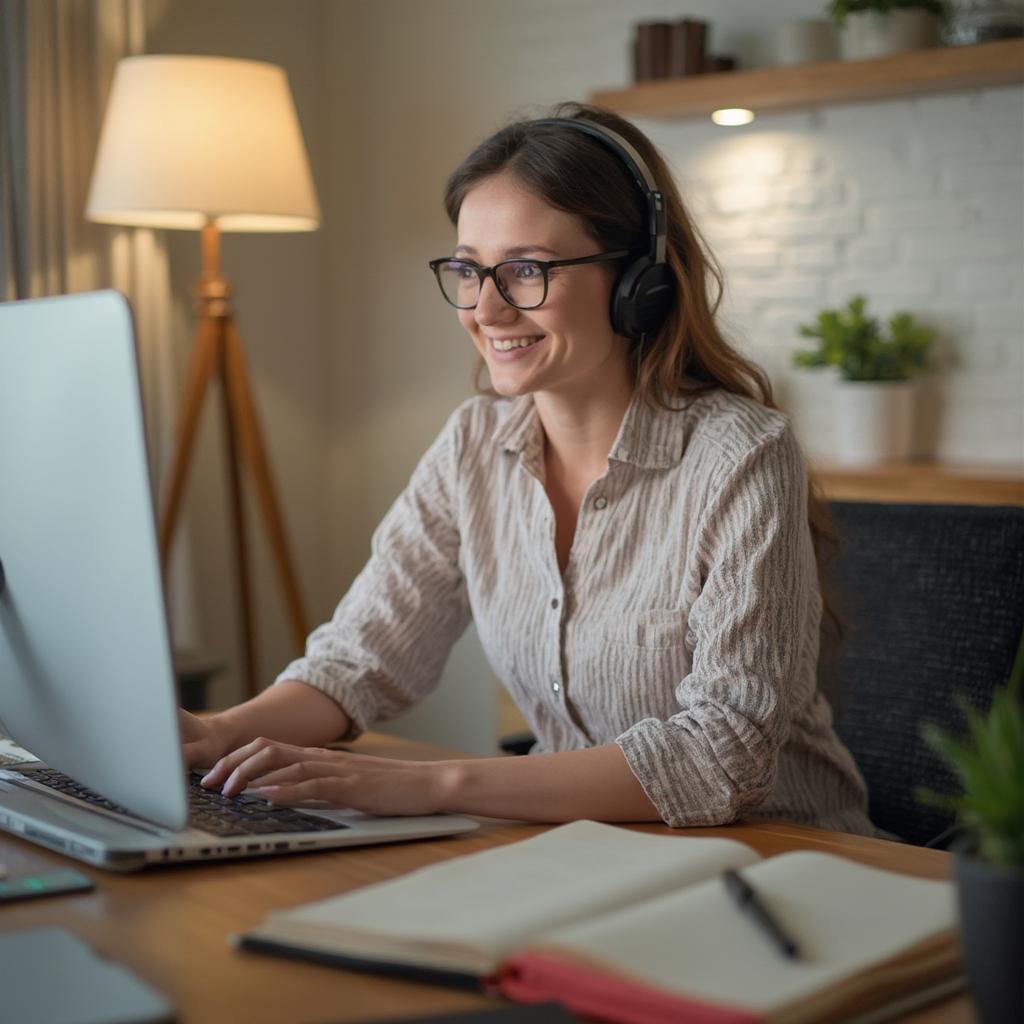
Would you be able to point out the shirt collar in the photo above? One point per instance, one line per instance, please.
(520, 428)
(649, 437)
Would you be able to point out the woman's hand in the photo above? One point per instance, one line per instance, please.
(287, 774)
(204, 741)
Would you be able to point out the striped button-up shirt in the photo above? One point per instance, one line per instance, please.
(684, 628)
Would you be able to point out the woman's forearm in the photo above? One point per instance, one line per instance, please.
(289, 711)
(595, 783)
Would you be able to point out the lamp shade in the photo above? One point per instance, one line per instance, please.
(186, 139)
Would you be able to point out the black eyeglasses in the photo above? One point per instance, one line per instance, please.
(521, 283)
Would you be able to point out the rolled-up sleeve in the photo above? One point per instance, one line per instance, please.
(716, 757)
(387, 642)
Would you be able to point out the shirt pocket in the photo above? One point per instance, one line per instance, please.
(626, 669)
(649, 630)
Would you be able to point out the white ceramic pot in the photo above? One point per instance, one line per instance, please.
(804, 42)
(868, 34)
(874, 421)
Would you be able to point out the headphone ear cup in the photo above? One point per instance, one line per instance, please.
(642, 298)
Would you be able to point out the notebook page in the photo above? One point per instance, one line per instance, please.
(845, 917)
(471, 911)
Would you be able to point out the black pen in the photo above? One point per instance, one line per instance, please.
(748, 901)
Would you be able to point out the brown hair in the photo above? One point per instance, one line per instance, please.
(576, 173)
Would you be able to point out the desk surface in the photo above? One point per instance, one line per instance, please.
(170, 924)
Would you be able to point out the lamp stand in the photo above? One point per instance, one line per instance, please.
(218, 350)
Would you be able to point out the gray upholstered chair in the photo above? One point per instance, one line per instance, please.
(932, 599)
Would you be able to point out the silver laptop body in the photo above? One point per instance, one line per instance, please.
(86, 678)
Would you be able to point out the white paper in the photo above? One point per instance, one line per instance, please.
(470, 912)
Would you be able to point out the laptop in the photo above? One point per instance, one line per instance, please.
(86, 677)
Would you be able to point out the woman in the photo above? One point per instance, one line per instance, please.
(627, 525)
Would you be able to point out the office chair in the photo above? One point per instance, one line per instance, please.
(932, 601)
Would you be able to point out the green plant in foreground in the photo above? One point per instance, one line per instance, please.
(989, 763)
(839, 9)
(854, 342)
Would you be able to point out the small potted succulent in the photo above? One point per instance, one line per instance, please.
(879, 28)
(989, 762)
(875, 395)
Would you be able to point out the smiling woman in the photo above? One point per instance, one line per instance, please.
(623, 514)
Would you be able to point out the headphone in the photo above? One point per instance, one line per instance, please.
(645, 289)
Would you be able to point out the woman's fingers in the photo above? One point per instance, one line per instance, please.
(234, 772)
(226, 765)
(224, 772)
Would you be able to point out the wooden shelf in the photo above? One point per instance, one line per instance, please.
(944, 69)
(921, 483)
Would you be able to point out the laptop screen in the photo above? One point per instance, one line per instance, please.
(86, 680)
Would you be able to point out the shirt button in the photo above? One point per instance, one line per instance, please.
(554, 603)
(600, 503)
(556, 686)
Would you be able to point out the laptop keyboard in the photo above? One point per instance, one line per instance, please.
(209, 810)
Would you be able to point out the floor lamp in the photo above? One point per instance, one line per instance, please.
(213, 144)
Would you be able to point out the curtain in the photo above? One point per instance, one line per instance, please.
(57, 61)
(13, 201)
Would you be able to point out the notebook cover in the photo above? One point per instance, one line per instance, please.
(390, 968)
(537, 978)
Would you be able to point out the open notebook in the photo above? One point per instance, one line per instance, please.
(638, 928)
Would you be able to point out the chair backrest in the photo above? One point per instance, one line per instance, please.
(932, 602)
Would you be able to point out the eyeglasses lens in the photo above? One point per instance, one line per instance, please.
(460, 283)
(521, 281)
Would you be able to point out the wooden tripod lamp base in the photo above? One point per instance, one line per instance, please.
(218, 351)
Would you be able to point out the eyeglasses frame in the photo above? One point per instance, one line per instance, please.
(491, 272)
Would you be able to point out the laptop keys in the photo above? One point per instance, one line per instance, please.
(209, 811)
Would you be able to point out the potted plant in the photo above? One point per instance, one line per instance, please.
(989, 871)
(878, 28)
(875, 397)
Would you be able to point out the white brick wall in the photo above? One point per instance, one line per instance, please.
(919, 204)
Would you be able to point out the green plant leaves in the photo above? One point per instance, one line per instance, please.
(989, 763)
(853, 342)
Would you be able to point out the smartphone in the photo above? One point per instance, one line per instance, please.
(50, 883)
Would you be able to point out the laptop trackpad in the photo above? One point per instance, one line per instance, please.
(46, 811)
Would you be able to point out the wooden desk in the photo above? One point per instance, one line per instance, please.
(170, 925)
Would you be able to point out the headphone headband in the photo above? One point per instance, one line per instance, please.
(628, 154)
(645, 289)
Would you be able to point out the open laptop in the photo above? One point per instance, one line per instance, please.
(86, 678)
